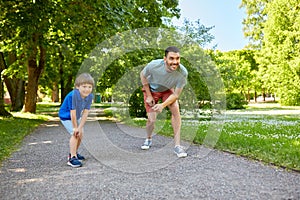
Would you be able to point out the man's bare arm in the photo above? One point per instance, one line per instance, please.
(171, 99)
(146, 87)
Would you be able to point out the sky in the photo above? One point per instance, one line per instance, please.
(225, 15)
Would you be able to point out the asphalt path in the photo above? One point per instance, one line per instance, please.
(116, 168)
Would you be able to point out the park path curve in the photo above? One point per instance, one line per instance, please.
(38, 170)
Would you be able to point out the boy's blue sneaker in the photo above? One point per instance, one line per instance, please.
(147, 144)
(80, 157)
(74, 162)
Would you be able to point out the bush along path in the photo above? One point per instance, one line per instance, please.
(116, 168)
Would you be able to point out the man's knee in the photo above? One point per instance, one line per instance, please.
(151, 121)
(174, 107)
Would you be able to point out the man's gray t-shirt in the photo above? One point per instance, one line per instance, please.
(160, 80)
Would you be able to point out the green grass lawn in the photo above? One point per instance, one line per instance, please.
(14, 129)
(270, 134)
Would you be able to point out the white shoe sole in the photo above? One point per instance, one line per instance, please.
(145, 147)
(181, 155)
(75, 166)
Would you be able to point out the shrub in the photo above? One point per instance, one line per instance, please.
(136, 104)
(235, 101)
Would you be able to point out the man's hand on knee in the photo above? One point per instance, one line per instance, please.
(158, 107)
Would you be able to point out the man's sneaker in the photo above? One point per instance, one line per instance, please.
(74, 162)
(80, 157)
(180, 152)
(147, 144)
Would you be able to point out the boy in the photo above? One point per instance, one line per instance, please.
(73, 114)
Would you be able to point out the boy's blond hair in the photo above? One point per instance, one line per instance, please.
(84, 78)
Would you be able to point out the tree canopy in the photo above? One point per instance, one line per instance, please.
(274, 24)
(44, 43)
(55, 36)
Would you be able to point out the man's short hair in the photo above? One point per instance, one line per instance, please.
(171, 49)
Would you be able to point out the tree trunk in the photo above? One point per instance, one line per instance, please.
(3, 112)
(15, 86)
(248, 95)
(69, 86)
(31, 90)
(55, 92)
(62, 83)
(264, 94)
(65, 82)
(34, 69)
(66, 87)
(16, 89)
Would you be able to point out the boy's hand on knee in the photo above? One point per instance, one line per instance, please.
(76, 134)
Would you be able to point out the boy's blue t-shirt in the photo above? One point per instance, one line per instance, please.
(73, 101)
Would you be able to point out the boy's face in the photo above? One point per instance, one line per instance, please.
(85, 89)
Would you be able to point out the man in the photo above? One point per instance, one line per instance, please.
(164, 79)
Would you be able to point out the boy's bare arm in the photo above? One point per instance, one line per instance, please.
(74, 122)
(84, 116)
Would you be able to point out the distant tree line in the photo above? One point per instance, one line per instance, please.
(43, 44)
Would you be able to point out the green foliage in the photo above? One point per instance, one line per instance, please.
(68, 31)
(254, 22)
(136, 104)
(238, 69)
(281, 49)
(108, 113)
(197, 31)
(274, 27)
(197, 83)
(204, 105)
(126, 63)
(235, 101)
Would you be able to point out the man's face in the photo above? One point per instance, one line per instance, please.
(172, 61)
